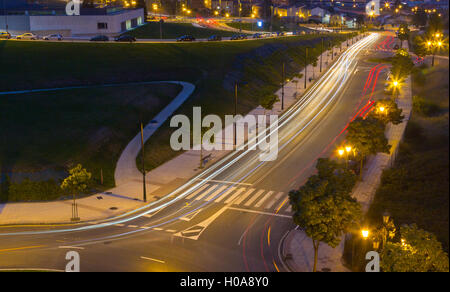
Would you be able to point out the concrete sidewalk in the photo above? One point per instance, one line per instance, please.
(127, 195)
(298, 251)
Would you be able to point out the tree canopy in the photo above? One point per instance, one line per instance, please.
(367, 136)
(387, 111)
(417, 251)
(78, 180)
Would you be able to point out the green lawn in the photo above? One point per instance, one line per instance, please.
(47, 121)
(171, 30)
(89, 126)
(416, 189)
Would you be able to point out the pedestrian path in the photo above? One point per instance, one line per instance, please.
(243, 197)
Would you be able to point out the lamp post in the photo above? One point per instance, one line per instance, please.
(306, 63)
(321, 54)
(235, 112)
(6, 15)
(144, 190)
(282, 86)
(348, 150)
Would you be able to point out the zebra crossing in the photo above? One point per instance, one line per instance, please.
(243, 197)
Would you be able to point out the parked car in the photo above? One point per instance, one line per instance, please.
(53, 37)
(186, 38)
(5, 35)
(214, 38)
(280, 33)
(27, 36)
(243, 36)
(100, 38)
(257, 36)
(125, 38)
(235, 37)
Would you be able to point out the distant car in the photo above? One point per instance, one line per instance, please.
(257, 36)
(186, 38)
(125, 38)
(214, 38)
(27, 36)
(5, 35)
(100, 38)
(280, 33)
(53, 37)
(235, 37)
(243, 36)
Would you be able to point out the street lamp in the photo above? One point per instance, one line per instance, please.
(365, 233)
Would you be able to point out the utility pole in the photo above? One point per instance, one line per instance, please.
(240, 20)
(6, 15)
(282, 87)
(235, 112)
(143, 163)
(321, 54)
(306, 63)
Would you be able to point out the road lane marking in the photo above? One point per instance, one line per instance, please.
(237, 193)
(215, 193)
(268, 236)
(225, 182)
(154, 260)
(157, 229)
(197, 191)
(132, 226)
(71, 247)
(21, 248)
(271, 203)
(259, 212)
(229, 191)
(244, 196)
(171, 230)
(281, 205)
(263, 199)
(119, 225)
(202, 195)
(254, 197)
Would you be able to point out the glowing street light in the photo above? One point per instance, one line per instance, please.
(341, 152)
(365, 233)
(348, 149)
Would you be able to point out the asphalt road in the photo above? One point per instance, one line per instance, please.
(230, 218)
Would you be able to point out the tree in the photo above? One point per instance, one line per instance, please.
(402, 65)
(268, 101)
(403, 33)
(387, 111)
(417, 251)
(323, 208)
(367, 137)
(77, 182)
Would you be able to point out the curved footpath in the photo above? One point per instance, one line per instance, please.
(103, 205)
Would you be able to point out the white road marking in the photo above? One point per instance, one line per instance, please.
(197, 191)
(157, 229)
(171, 230)
(271, 203)
(254, 197)
(229, 191)
(237, 193)
(226, 182)
(244, 196)
(155, 260)
(132, 226)
(218, 191)
(119, 225)
(259, 212)
(263, 199)
(71, 247)
(199, 197)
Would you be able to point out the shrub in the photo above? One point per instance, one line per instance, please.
(424, 107)
(29, 190)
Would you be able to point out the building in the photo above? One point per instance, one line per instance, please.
(46, 19)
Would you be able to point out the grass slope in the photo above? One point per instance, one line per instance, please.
(170, 30)
(416, 189)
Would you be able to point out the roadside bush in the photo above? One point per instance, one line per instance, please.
(424, 107)
(4, 188)
(29, 190)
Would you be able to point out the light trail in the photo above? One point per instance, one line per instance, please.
(337, 76)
